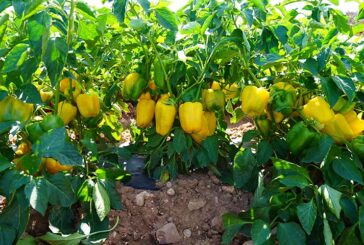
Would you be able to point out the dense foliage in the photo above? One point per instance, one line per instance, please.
(70, 72)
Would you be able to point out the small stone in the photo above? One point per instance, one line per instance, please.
(136, 236)
(168, 234)
(208, 186)
(140, 198)
(196, 204)
(216, 223)
(171, 192)
(229, 189)
(187, 233)
(250, 242)
(215, 180)
(170, 219)
(169, 184)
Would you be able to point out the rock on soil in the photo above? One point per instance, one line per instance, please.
(193, 215)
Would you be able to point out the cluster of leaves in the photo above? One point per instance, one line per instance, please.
(42, 42)
(314, 197)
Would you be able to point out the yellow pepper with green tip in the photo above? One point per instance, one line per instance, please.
(356, 124)
(88, 105)
(66, 111)
(231, 91)
(339, 129)
(213, 98)
(208, 127)
(165, 113)
(145, 110)
(319, 110)
(13, 109)
(132, 86)
(69, 86)
(190, 116)
(254, 100)
(45, 95)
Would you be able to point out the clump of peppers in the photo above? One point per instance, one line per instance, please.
(69, 87)
(208, 127)
(190, 116)
(254, 100)
(145, 110)
(356, 124)
(132, 86)
(300, 137)
(318, 109)
(213, 98)
(66, 111)
(165, 113)
(339, 129)
(13, 109)
(88, 105)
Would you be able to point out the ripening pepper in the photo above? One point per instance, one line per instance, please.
(45, 95)
(339, 129)
(208, 127)
(213, 98)
(152, 86)
(165, 114)
(12, 109)
(190, 116)
(53, 166)
(88, 105)
(231, 91)
(343, 105)
(299, 137)
(66, 111)
(263, 125)
(356, 124)
(318, 109)
(358, 146)
(254, 100)
(282, 98)
(145, 110)
(23, 148)
(132, 86)
(69, 86)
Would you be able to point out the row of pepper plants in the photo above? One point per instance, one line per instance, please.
(69, 71)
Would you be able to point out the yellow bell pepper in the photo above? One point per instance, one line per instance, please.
(164, 115)
(46, 95)
(213, 98)
(208, 127)
(69, 86)
(231, 91)
(339, 129)
(356, 124)
(13, 109)
(145, 110)
(66, 111)
(53, 166)
(215, 86)
(88, 105)
(254, 100)
(190, 116)
(319, 110)
(23, 148)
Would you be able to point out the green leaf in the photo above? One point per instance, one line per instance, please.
(145, 4)
(112, 174)
(166, 18)
(260, 232)
(191, 28)
(15, 57)
(29, 93)
(286, 168)
(347, 169)
(332, 199)
(317, 152)
(27, 240)
(264, 152)
(346, 85)
(54, 239)
(311, 65)
(101, 200)
(307, 213)
(259, 4)
(85, 10)
(36, 192)
(206, 23)
(38, 31)
(4, 163)
(281, 33)
(119, 8)
(349, 237)
(361, 222)
(327, 233)
(51, 141)
(211, 145)
(12, 180)
(179, 140)
(62, 220)
(31, 163)
(87, 30)
(232, 225)
(55, 58)
(290, 234)
(60, 190)
(331, 91)
(7, 234)
(244, 165)
(341, 21)
(115, 199)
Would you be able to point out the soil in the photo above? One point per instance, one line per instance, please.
(138, 224)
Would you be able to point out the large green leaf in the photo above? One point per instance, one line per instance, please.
(232, 225)
(60, 190)
(119, 8)
(211, 145)
(332, 199)
(101, 200)
(166, 18)
(327, 233)
(36, 192)
(307, 213)
(347, 169)
(290, 234)
(16, 57)
(244, 165)
(179, 140)
(55, 57)
(260, 232)
(38, 31)
(317, 152)
(361, 222)
(346, 85)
